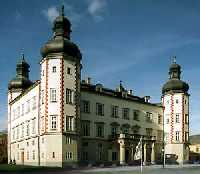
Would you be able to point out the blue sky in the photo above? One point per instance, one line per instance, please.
(129, 40)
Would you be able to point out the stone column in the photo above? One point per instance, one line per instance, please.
(145, 154)
(153, 153)
(122, 154)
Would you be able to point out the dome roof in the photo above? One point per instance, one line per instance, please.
(19, 83)
(60, 43)
(175, 85)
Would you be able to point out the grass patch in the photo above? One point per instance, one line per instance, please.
(21, 168)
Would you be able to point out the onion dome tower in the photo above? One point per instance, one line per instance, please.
(175, 101)
(60, 88)
(174, 83)
(60, 43)
(21, 81)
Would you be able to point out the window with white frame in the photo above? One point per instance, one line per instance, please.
(149, 117)
(69, 155)
(27, 155)
(85, 106)
(34, 103)
(22, 109)
(33, 125)
(22, 134)
(27, 129)
(53, 122)
(53, 95)
(114, 111)
(159, 119)
(69, 96)
(177, 135)
(17, 132)
(100, 109)
(28, 106)
(177, 118)
(125, 113)
(18, 111)
(54, 69)
(69, 123)
(68, 140)
(33, 154)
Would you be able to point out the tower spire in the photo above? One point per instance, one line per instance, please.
(173, 59)
(62, 11)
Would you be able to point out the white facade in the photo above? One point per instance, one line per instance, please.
(176, 125)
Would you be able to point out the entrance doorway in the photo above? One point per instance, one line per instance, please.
(22, 157)
(127, 155)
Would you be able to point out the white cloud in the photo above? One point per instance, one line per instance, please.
(51, 13)
(96, 8)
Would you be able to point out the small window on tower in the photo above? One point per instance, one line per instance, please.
(176, 101)
(68, 70)
(54, 69)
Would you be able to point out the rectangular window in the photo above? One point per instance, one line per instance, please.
(176, 101)
(27, 155)
(84, 156)
(113, 131)
(149, 117)
(34, 103)
(85, 125)
(186, 119)
(86, 106)
(53, 95)
(69, 123)
(33, 126)
(159, 119)
(68, 140)
(28, 106)
(27, 129)
(22, 109)
(114, 156)
(53, 155)
(99, 109)
(186, 136)
(69, 96)
(177, 135)
(18, 111)
(53, 122)
(100, 130)
(125, 113)
(114, 111)
(33, 154)
(69, 155)
(17, 132)
(136, 115)
(22, 134)
(177, 118)
(54, 69)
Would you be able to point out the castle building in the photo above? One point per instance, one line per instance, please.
(60, 120)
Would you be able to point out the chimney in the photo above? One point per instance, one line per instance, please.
(147, 99)
(130, 92)
(88, 81)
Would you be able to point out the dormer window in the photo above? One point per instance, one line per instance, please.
(54, 69)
